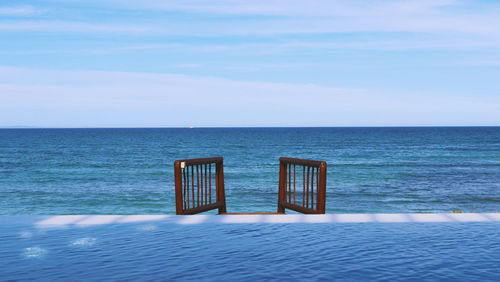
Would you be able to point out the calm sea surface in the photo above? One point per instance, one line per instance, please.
(130, 171)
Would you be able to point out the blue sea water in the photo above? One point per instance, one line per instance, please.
(130, 171)
(156, 251)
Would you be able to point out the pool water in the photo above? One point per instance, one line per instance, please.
(161, 250)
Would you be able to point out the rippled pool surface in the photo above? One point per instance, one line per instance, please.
(257, 251)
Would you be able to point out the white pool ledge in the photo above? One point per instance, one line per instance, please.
(86, 220)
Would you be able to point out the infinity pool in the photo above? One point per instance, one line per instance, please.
(232, 248)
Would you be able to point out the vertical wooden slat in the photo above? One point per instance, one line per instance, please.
(206, 194)
(201, 184)
(220, 188)
(289, 183)
(198, 185)
(178, 188)
(192, 183)
(210, 182)
(187, 184)
(216, 185)
(184, 206)
(317, 187)
(286, 184)
(304, 185)
(293, 183)
(312, 187)
(307, 187)
(281, 187)
(322, 188)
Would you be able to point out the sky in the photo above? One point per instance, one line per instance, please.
(225, 63)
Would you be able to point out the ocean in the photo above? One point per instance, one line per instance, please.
(130, 171)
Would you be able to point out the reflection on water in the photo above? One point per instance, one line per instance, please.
(146, 227)
(33, 252)
(25, 234)
(257, 251)
(84, 242)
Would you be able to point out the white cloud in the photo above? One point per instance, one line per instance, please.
(65, 26)
(290, 17)
(469, 25)
(291, 7)
(94, 98)
(491, 62)
(325, 16)
(186, 65)
(275, 47)
(20, 10)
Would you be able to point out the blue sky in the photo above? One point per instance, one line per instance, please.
(120, 63)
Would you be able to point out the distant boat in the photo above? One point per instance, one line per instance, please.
(190, 127)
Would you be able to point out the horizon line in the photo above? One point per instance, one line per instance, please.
(215, 127)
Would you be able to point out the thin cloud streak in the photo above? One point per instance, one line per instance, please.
(289, 18)
(281, 47)
(347, 8)
(20, 10)
(459, 25)
(324, 16)
(66, 26)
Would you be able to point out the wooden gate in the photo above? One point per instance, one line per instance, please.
(199, 185)
(309, 174)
